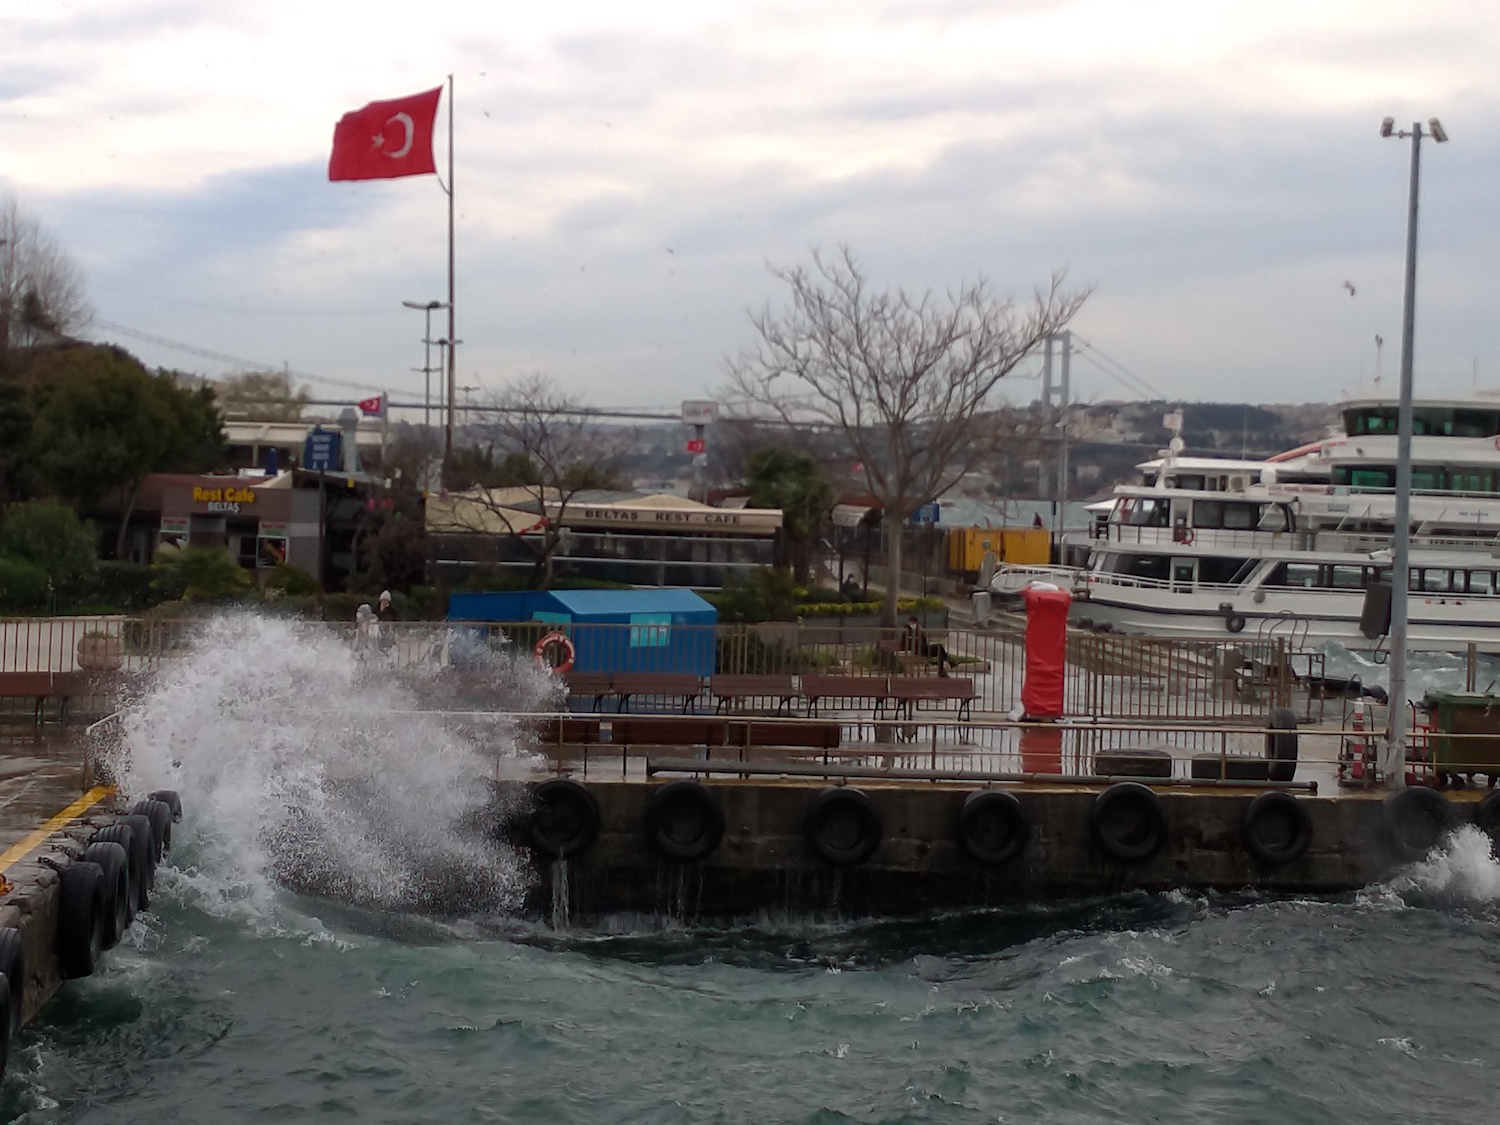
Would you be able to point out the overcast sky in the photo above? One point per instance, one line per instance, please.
(626, 172)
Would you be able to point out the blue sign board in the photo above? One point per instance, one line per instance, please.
(926, 513)
(320, 452)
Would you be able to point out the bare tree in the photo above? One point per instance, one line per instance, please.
(534, 457)
(908, 380)
(262, 396)
(41, 287)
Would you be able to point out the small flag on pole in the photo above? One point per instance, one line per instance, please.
(384, 140)
(373, 407)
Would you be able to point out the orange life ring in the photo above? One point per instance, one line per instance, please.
(539, 651)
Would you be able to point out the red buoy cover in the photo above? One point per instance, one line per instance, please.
(1046, 650)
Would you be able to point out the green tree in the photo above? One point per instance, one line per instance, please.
(15, 432)
(51, 537)
(262, 396)
(103, 422)
(793, 481)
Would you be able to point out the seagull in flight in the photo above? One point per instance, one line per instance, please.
(1349, 285)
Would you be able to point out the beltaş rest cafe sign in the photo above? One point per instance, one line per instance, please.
(223, 499)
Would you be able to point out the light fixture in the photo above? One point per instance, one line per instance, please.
(1386, 126)
(1438, 133)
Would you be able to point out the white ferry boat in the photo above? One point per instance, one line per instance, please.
(1301, 543)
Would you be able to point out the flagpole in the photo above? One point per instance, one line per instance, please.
(452, 315)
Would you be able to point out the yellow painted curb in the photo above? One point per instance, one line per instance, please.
(22, 847)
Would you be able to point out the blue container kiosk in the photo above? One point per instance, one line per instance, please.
(664, 629)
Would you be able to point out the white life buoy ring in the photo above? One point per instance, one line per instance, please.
(539, 651)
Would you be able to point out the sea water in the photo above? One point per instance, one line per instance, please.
(335, 938)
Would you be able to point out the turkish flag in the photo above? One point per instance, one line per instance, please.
(375, 406)
(385, 139)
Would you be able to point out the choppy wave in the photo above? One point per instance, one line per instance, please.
(309, 765)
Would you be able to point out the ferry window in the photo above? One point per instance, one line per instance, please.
(1471, 480)
(1241, 517)
(1294, 574)
(1344, 577)
(1146, 566)
(1221, 571)
(1479, 582)
(1208, 513)
(1370, 420)
(1148, 513)
(1193, 481)
(1149, 480)
(1426, 477)
(1372, 478)
(1476, 423)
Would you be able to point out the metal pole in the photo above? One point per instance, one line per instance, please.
(452, 314)
(1394, 766)
(1062, 432)
(320, 542)
(427, 373)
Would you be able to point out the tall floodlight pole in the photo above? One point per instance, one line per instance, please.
(426, 307)
(1394, 767)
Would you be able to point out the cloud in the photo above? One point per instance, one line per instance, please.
(625, 174)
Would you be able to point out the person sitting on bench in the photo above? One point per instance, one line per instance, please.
(916, 642)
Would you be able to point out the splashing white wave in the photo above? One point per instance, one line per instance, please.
(305, 764)
(1463, 867)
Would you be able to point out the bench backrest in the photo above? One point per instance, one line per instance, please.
(587, 683)
(565, 732)
(655, 683)
(820, 685)
(932, 687)
(653, 731)
(817, 734)
(744, 687)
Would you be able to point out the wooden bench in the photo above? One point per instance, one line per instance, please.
(586, 684)
(665, 731)
(736, 689)
(908, 691)
(667, 685)
(42, 686)
(902, 656)
(814, 734)
(820, 686)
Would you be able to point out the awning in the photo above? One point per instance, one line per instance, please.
(850, 515)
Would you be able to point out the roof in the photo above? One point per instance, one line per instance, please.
(666, 599)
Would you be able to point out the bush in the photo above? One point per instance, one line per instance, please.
(52, 537)
(23, 585)
(763, 595)
(199, 574)
(121, 585)
(292, 580)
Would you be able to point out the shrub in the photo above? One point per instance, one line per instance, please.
(121, 585)
(23, 585)
(199, 574)
(763, 595)
(292, 580)
(52, 537)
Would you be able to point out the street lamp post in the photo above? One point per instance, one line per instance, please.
(426, 307)
(1394, 767)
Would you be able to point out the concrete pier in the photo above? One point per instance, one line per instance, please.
(765, 863)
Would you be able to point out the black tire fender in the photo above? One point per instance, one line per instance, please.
(983, 812)
(5, 1032)
(1267, 807)
(159, 813)
(829, 816)
(13, 969)
(140, 824)
(684, 821)
(136, 854)
(169, 798)
(1281, 743)
(115, 864)
(1487, 816)
(564, 819)
(1133, 799)
(80, 919)
(1416, 820)
(1234, 622)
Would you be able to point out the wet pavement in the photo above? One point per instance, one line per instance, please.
(41, 772)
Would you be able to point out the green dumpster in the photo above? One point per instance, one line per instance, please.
(1472, 713)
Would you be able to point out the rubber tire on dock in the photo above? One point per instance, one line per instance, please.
(169, 798)
(1266, 810)
(1281, 748)
(992, 827)
(1136, 802)
(5, 1032)
(136, 856)
(80, 919)
(564, 819)
(159, 813)
(684, 821)
(1487, 816)
(1416, 820)
(140, 824)
(115, 864)
(13, 969)
(831, 815)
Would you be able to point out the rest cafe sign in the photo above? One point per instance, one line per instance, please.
(223, 499)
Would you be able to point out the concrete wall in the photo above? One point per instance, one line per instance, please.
(763, 862)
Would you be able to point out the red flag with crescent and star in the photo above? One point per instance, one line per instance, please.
(384, 140)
